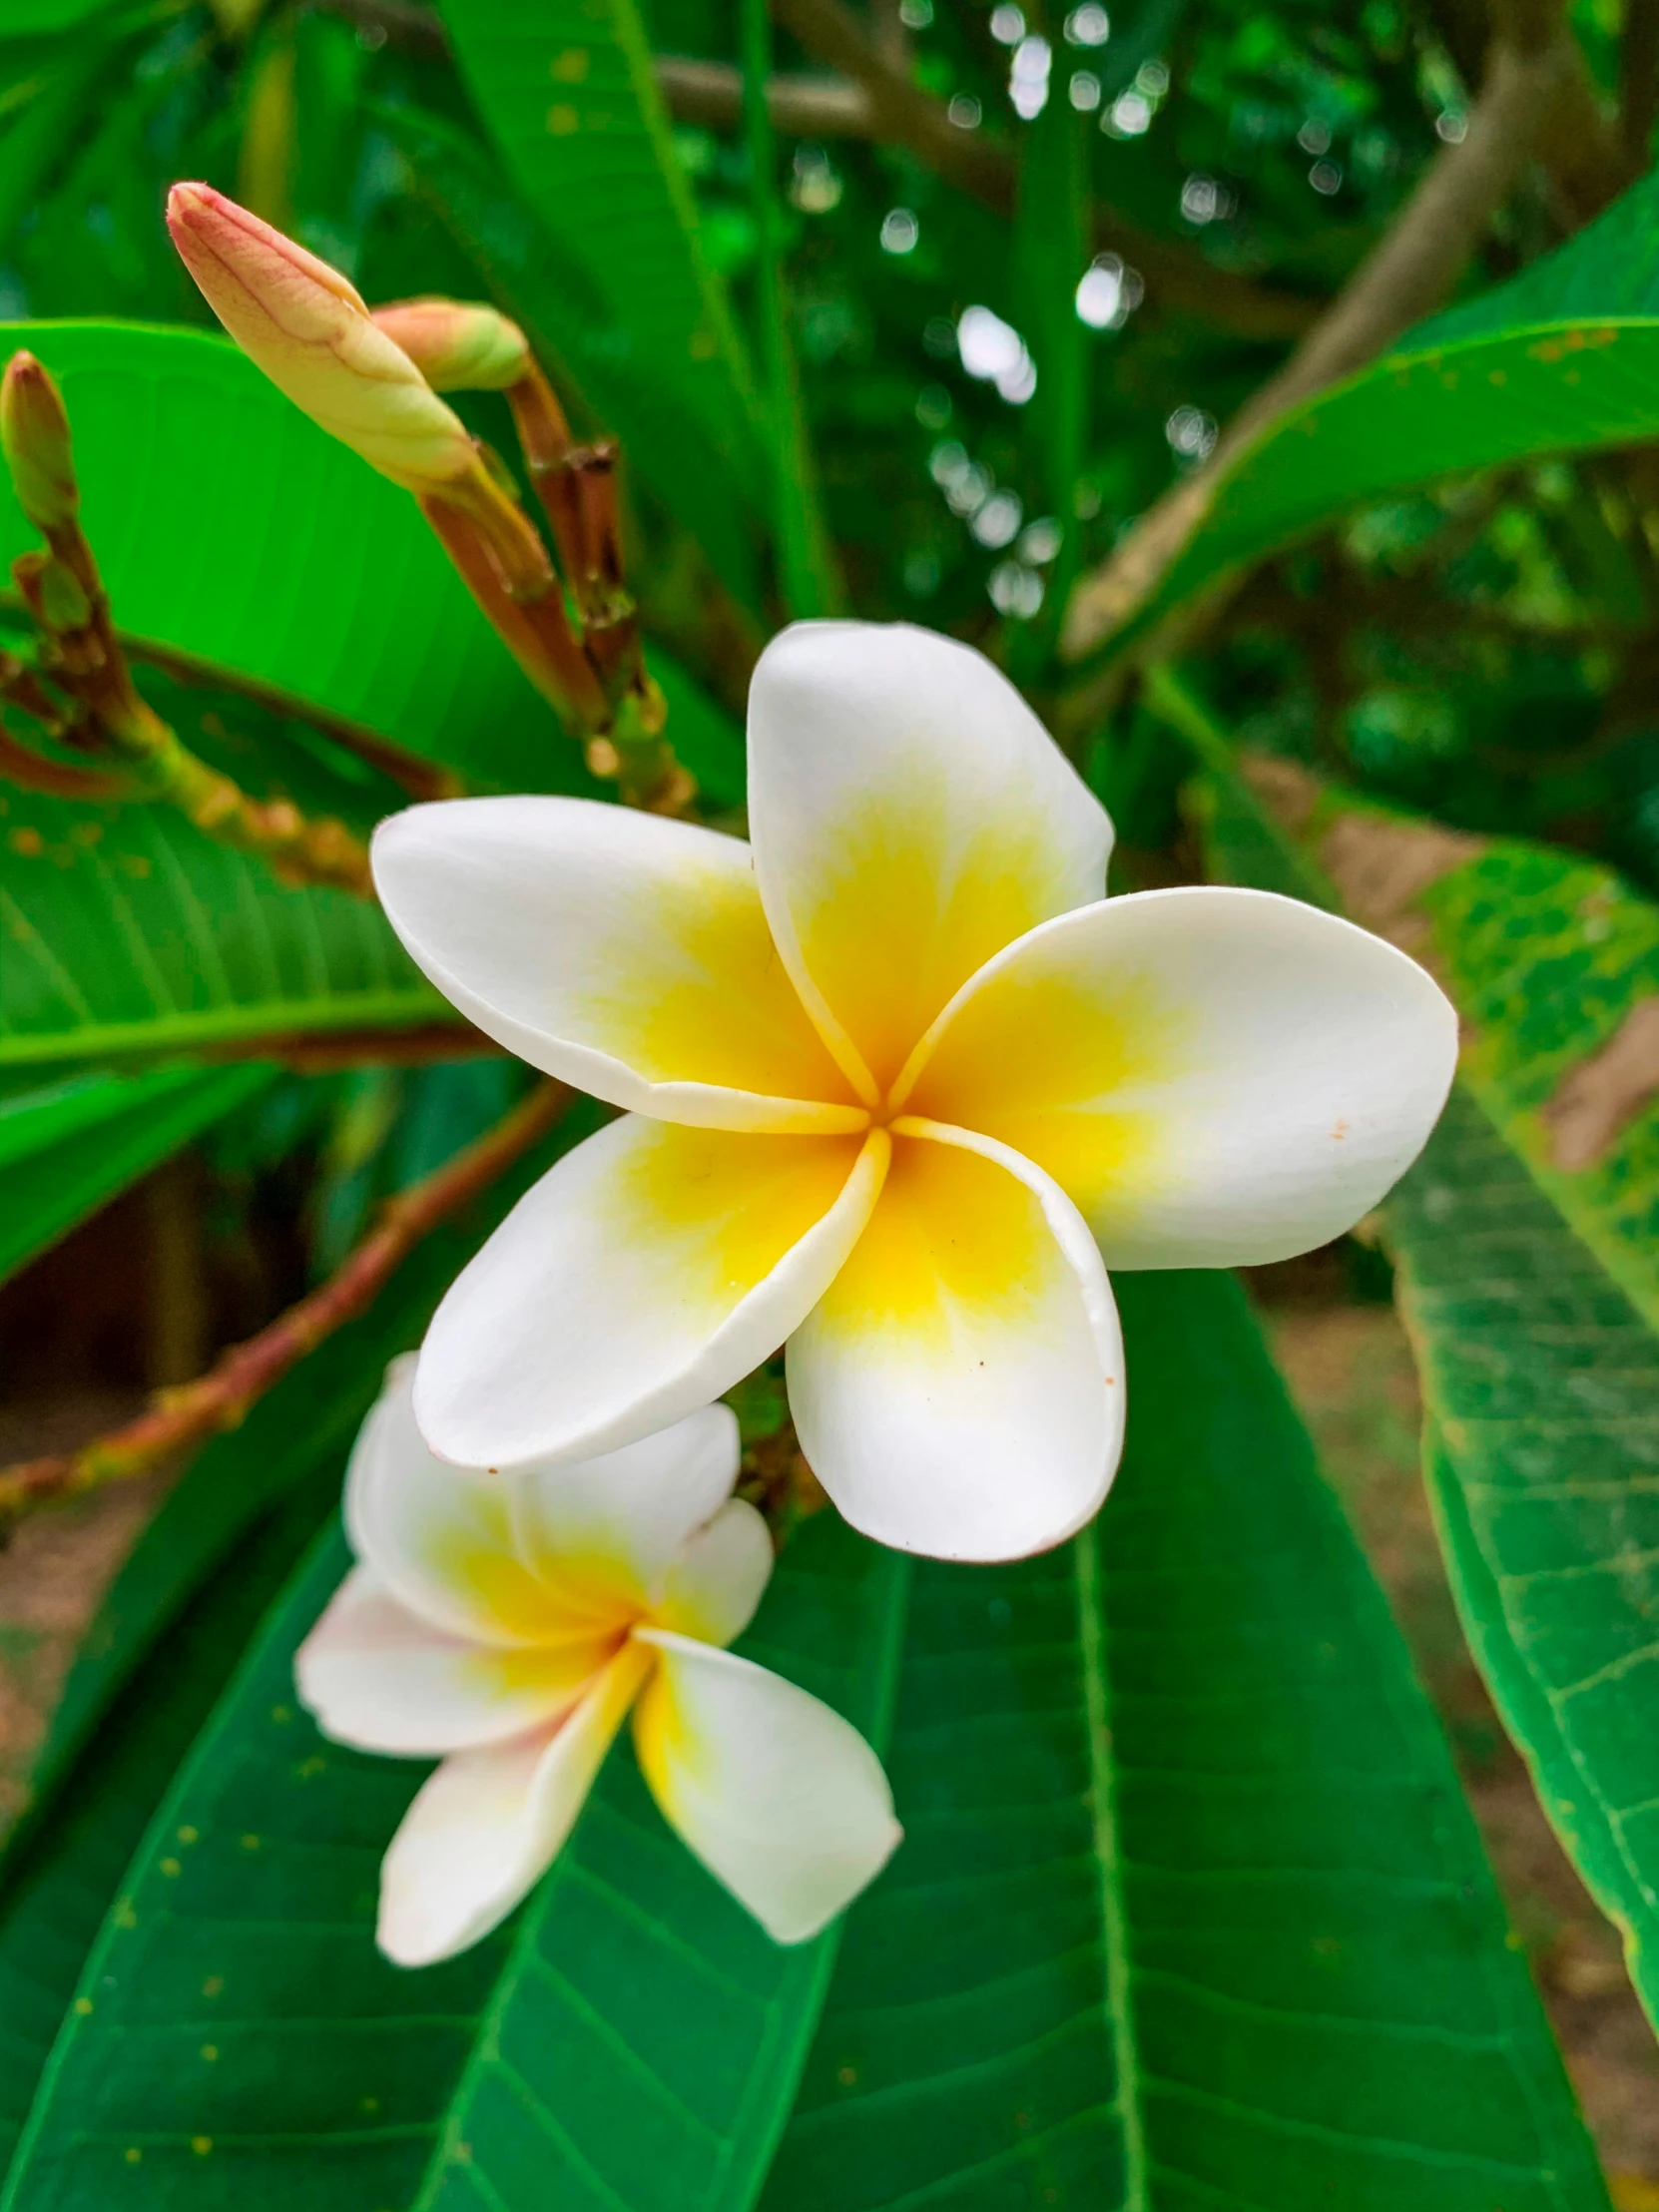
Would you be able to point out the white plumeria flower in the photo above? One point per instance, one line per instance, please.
(507, 1624)
(900, 1085)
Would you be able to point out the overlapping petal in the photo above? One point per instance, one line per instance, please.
(1217, 1077)
(488, 1824)
(713, 1587)
(441, 1542)
(781, 1798)
(379, 1677)
(644, 1275)
(910, 817)
(625, 954)
(959, 1390)
(602, 1534)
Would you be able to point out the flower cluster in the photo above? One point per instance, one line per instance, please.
(899, 1086)
(508, 1625)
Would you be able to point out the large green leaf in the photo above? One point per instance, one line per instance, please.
(1525, 1240)
(1564, 358)
(124, 932)
(66, 1149)
(174, 1625)
(632, 2039)
(60, 1881)
(1190, 1912)
(231, 528)
(567, 89)
(588, 337)
(1542, 1384)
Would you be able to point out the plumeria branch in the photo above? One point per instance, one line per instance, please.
(179, 1419)
(1403, 279)
(106, 714)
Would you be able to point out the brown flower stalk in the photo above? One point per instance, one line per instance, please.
(178, 1419)
(81, 656)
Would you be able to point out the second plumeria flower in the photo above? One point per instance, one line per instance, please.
(901, 1085)
(508, 1625)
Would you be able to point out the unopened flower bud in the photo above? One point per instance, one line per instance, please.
(307, 328)
(34, 434)
(457, 347)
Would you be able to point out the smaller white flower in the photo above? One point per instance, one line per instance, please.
(508, 1625)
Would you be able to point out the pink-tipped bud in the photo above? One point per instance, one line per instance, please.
(34, 435)
(302, 323)
(457, 345)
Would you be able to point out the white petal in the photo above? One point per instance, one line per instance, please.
(438, 1536)
(378, 1677)
(958, 1390)
(910, 817)
(1217, 1077)
(645, 1274)
(782, 1800)
(488, 1824)
(604, 1531)
(623, 953)
(712, 1589)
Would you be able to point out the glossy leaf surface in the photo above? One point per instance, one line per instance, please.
(1525, 1240)
(1190, 1911)
(173, 1628)
(1133, 1952)
(633, 2037)
(1563, 359)
(230, 527)
(567, 89)
(124, 932)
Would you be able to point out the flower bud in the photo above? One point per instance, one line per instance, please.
(34, 434)
(306, 327)
(455, 345)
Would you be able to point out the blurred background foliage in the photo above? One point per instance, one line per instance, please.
(1483, 649)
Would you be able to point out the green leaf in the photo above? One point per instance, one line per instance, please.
(126, 933)
(61, 1880)
(567, 89)
(1542, 1459)
(806, 559)
(1562, 360)
(1529, 1280)
(229, 527)
(632, 2039)
(588, 337)
(67, 1149)
(175, 1624)
(1190, 1911)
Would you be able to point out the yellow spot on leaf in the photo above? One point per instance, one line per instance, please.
(201, 2145)
(171, 1868)
(83, 2006)
(213, 1985)
(209, 2053)
(571, 67)
(27, 843)
(563, 120)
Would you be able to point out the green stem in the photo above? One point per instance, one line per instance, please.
(806, 560)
